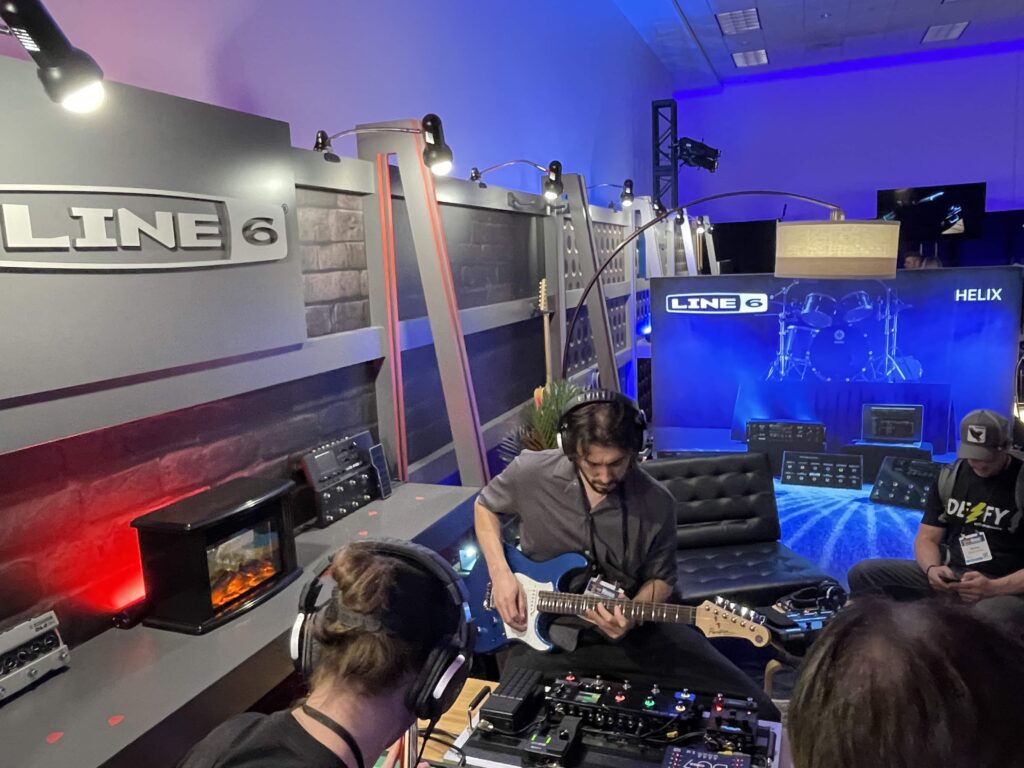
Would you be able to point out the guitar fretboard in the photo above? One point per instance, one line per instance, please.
(569, 603)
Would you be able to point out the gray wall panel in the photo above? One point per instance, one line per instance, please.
(67, 329)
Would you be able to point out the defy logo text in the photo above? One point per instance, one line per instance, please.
(114, 228)
(716, 303)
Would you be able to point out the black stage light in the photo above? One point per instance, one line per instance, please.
(437, 155)
(323, 145)
(658, 207)
(697, 154)
(552, 186)
(70, 77)
(626, 197)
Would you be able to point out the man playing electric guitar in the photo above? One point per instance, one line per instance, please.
(591, 497)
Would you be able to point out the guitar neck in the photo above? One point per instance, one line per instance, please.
(567, 603)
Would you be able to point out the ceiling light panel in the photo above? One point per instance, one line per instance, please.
(750, 58)
(737, 22)
(944, 32)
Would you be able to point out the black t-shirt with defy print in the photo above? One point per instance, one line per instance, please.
(982, 505)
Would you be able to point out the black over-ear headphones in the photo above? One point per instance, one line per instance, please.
(591, 396)
(439, 682)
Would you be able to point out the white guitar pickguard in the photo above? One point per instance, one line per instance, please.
(530, 635)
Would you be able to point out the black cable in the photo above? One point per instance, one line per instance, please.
(662, 727)
(450, 744)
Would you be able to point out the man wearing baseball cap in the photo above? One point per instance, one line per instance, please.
(970, 544)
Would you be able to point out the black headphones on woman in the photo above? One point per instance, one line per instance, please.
(444, 673)
(591, 396)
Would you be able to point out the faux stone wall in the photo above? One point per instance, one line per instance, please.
(333, 250)
(66, 506)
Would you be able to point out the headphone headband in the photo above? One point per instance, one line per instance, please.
(438, 683)
(611, 397)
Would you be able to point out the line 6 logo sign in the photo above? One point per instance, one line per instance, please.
(716, 303)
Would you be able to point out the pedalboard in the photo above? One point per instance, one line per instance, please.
(28, 652)
(684, 757)
(904, 482)
(344, 476)
(774, 438)
(536, 720)
(822, 470)
(620, 706)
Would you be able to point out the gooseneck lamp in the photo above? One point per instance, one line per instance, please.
(69, 76)
(874, 243)
(626, 196)
(552, 187)
(437, 155)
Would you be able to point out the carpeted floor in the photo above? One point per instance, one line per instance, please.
(836, 528)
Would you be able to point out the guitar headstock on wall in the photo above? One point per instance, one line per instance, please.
(724, 619)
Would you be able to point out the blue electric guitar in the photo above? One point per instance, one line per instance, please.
(541, 582)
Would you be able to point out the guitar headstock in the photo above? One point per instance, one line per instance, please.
(724, 619)
(542, 298)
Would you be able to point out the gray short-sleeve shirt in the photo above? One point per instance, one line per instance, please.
(542, 489)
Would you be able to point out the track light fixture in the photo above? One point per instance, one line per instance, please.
(552, 186)
(626, 196)
(437, 155)
(697, 154)
(70, 77)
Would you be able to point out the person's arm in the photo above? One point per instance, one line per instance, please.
(658, 571)
(507, 593)
(975, 586)
(926, 543)
(929, 558)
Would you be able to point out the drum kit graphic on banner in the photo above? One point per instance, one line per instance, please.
(852, 338)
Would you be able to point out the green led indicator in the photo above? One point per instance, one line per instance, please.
(648, 702)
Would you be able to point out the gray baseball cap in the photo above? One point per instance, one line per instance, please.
(984, 435)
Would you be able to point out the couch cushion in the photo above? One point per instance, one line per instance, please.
(723, 499)
(754, 575)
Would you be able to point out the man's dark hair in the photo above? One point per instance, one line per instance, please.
(608, 424)
(922, 684)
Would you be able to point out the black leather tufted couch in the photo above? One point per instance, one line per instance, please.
(727, 527)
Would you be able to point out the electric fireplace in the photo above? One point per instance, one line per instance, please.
(213, 556)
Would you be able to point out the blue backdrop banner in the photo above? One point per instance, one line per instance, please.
(727, 349)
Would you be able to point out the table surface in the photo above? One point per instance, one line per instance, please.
(158, 691)
(456, 719)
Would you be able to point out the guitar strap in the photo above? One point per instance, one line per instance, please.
(591, 553)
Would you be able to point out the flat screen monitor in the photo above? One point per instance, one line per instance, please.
(935, 213)
(892, 423)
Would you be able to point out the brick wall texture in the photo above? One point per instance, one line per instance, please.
(66, 507)
(332, 244)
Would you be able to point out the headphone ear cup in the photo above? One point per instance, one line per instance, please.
(420, 700)
(305, 650)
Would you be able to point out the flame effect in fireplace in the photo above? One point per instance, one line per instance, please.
(232, 585)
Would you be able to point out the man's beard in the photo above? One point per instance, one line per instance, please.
(604, 488)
